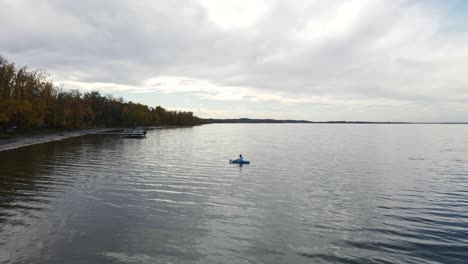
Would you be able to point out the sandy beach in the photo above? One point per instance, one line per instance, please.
(23, 141)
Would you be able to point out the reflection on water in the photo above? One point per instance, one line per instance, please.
(313, 193)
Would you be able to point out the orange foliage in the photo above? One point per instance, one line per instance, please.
(28, 99)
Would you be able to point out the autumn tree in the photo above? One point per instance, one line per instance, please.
(29, 100)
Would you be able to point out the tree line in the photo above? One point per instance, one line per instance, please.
(28, 100)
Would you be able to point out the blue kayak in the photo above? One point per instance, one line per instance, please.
(239, 161)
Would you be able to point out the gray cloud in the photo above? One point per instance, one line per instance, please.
(399, 51)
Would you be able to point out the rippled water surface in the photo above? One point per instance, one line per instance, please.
(312, 194)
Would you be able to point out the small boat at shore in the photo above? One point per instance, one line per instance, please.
(134, 133)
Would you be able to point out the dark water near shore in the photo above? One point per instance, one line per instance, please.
(313, 194)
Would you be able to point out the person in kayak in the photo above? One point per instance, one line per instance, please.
(240, 160)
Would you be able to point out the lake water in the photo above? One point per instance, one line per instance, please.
(322, 193)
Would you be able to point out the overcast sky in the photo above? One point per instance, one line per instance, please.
(375, 60)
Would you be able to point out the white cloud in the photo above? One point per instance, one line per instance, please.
(238, 14)
(205, 89)
(399, 56)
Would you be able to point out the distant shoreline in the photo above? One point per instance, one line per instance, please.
(29, 140)
(287, 121)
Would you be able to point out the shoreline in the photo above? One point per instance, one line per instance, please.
(24, 141)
